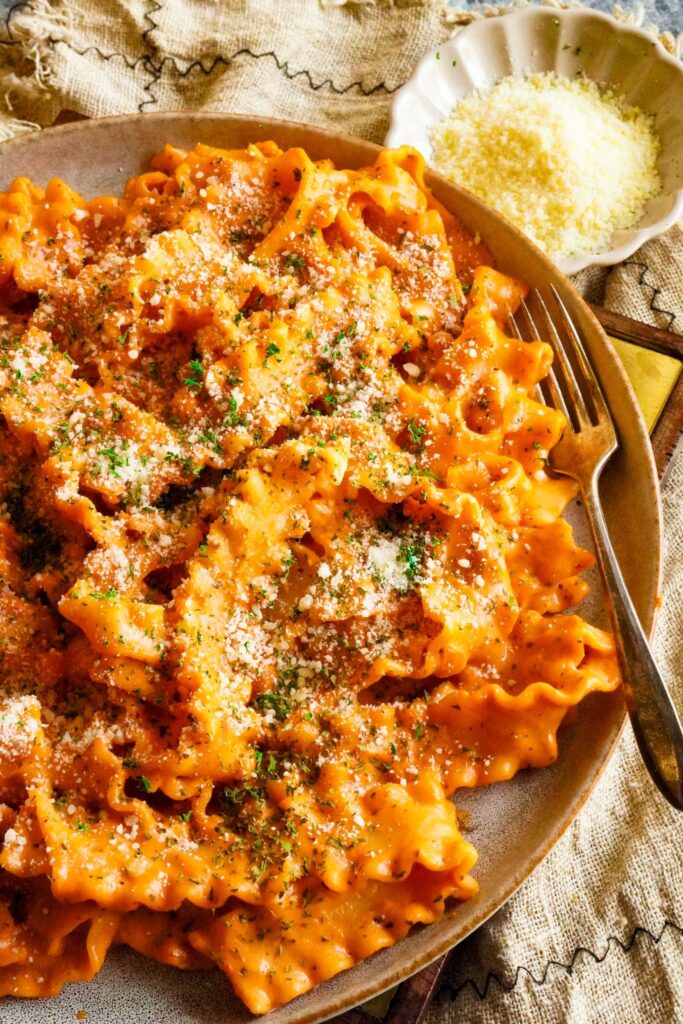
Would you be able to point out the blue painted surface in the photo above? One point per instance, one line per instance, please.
(666, 14)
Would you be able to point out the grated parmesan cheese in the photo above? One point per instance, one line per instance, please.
(19, 724)
(567, 163)
(384, 557)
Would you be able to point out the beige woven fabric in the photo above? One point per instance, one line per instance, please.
(619, 869)
(295, 59)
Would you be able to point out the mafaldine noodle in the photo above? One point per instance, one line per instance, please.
(282, 567)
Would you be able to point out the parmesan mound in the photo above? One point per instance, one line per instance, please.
(568, 163)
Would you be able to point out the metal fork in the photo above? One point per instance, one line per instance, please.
(582, 452)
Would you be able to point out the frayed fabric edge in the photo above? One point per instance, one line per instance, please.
(27, 83)
(9, 127)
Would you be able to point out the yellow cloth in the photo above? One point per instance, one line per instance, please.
(652, 375)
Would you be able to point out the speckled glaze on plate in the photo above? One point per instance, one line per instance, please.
(570, 42)
(514, 825)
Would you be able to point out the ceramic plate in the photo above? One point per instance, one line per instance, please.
(514, 824)
(571, 42)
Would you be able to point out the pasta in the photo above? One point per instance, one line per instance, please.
(282, 567)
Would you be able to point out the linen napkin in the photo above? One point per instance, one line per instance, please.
(596, 934)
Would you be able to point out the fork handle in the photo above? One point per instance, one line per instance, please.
(653, 716)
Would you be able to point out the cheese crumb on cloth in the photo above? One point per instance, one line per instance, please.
(567, 163)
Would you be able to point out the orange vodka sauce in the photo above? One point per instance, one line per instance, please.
(282, 567)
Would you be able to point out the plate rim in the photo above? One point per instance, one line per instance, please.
(368, 990)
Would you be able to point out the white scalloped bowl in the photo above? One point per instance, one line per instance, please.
(568, 42)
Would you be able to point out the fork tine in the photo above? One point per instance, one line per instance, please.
(597, 397)
(549, 388)
(533, 330)
(556, 395)
(514, 328)
(581, 417)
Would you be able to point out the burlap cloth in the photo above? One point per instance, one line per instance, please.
(596, 935)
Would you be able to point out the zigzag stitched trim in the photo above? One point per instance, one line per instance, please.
(644, 269)
(282, 66)
(612, 941)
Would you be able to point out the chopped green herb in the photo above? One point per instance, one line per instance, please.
(196, 376)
